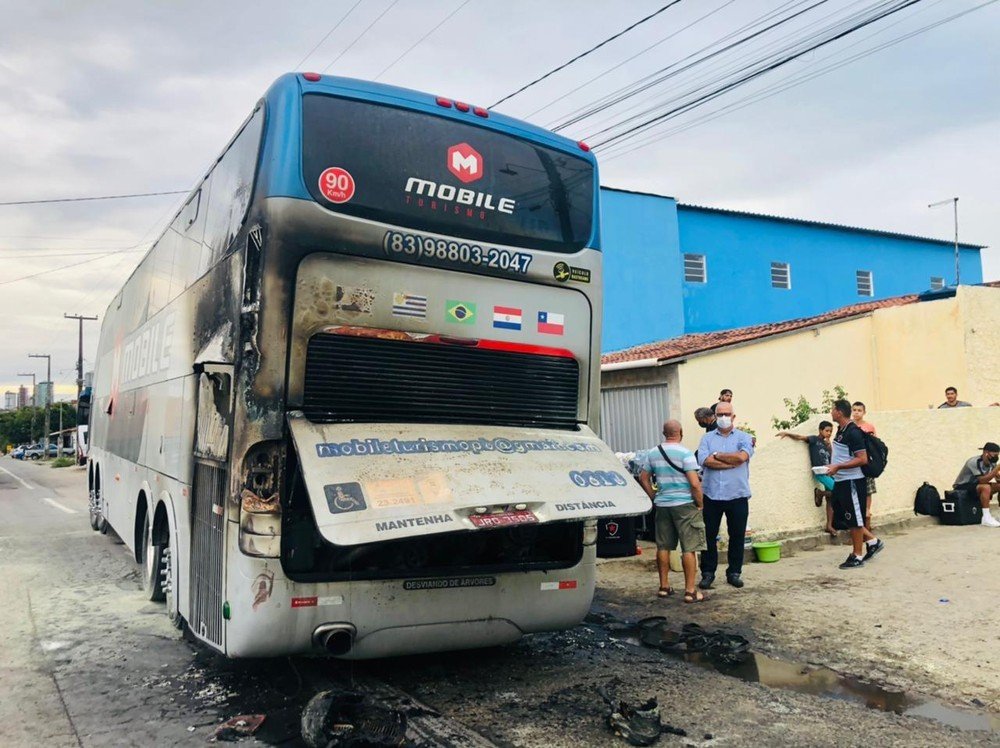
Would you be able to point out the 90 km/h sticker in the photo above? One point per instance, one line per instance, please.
(413, 245)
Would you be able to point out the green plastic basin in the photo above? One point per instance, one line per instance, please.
(767, 553)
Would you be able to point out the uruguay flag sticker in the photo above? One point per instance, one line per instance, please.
(507, 317)
(551, 323)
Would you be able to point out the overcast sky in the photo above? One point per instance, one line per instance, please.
(103, 98)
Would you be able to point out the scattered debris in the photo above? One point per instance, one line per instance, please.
(236, 728)
(350, 718)
(636, 725)
(718, 646)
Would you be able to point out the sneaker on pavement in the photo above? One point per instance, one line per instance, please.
(990, 521)
(874, 548)
(852, 562)
(706, 581)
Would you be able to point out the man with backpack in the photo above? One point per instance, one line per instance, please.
(678, 502)
(850, 486)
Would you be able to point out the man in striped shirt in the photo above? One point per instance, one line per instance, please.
(678, 507)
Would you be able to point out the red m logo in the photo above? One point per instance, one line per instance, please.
(465, 162)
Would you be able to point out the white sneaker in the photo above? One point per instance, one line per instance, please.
(989, 521)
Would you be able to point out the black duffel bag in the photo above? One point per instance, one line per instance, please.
(961, 507)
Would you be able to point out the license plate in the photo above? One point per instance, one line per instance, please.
(504, 519)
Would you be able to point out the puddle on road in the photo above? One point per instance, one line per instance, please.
(817, 680)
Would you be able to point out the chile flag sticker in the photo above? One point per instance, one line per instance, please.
(551, 323)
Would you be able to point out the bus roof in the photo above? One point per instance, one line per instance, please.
(421, 101)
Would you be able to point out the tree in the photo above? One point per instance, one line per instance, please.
(801, 411)
(16, 425)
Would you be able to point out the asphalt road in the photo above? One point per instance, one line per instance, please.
(86, 661)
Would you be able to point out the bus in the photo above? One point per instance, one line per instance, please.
(347, 402)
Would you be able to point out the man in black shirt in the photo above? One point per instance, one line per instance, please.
(725, 396)
(705, 418)
(819, 456)
(850, 487)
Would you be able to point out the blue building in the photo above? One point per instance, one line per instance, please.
(672, 269)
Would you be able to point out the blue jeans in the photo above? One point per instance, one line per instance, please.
(736, 512)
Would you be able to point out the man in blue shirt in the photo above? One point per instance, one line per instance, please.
(725, 455)
(678, 507)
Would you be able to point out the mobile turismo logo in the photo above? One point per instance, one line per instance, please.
(465, 162)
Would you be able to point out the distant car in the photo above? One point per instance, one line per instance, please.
(34, 452)
(18, 452)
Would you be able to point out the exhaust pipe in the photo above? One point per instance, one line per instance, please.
(335, 638)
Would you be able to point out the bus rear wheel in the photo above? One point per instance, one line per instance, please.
(152, 557)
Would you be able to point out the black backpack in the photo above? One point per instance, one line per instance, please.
(927, 501)
(878, 455)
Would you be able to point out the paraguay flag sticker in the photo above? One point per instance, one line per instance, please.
(551, 323)
(507, 317)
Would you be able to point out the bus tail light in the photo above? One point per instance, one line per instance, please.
(584, 147)
(480, 112)
(442, 101)
(462, 106)
(311, 77)
(260, 525)
(590, 532)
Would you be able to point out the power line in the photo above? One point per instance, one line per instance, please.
(85, 199)
(85, 253)
(628, 59)
(359, 36)
(583, 54)
(419, 41)
(327, 35)
(672, 70)
(791, 81)
(751, 75)
(56, 270)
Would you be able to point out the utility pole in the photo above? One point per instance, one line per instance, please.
(48, 401)
(954, 201)
(79, 359)
(32, 375)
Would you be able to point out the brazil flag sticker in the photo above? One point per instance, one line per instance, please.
(460, 312)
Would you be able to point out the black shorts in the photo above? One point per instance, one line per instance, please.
(849, 498)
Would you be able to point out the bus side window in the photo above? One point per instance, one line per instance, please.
(232, 185)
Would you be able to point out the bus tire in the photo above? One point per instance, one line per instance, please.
(152, 561)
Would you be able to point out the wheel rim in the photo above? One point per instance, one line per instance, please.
(167, 580)
(150, 556)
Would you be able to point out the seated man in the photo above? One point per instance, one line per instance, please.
(979, 475)
(819, 454)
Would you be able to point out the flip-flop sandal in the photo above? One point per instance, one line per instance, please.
(665, 592)
(694, 597)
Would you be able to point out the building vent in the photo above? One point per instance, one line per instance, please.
(937, 283)
(866, 286)
(694, 269)
(781, 275)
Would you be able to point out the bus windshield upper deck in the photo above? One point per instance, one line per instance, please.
(463, 180)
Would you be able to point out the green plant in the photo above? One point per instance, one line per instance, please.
(801, 410)
(59, 462)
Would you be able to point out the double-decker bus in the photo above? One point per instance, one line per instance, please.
(347, 401)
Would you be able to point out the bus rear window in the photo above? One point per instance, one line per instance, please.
(434, 174)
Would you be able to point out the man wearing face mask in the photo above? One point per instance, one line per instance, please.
(981, 475)
(724, 455)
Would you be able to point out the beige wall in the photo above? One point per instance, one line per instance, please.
(924, 445)
(981, 317)
(764, 372)
(920, 351)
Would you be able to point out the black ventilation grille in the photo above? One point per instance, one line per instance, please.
(371, 380)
